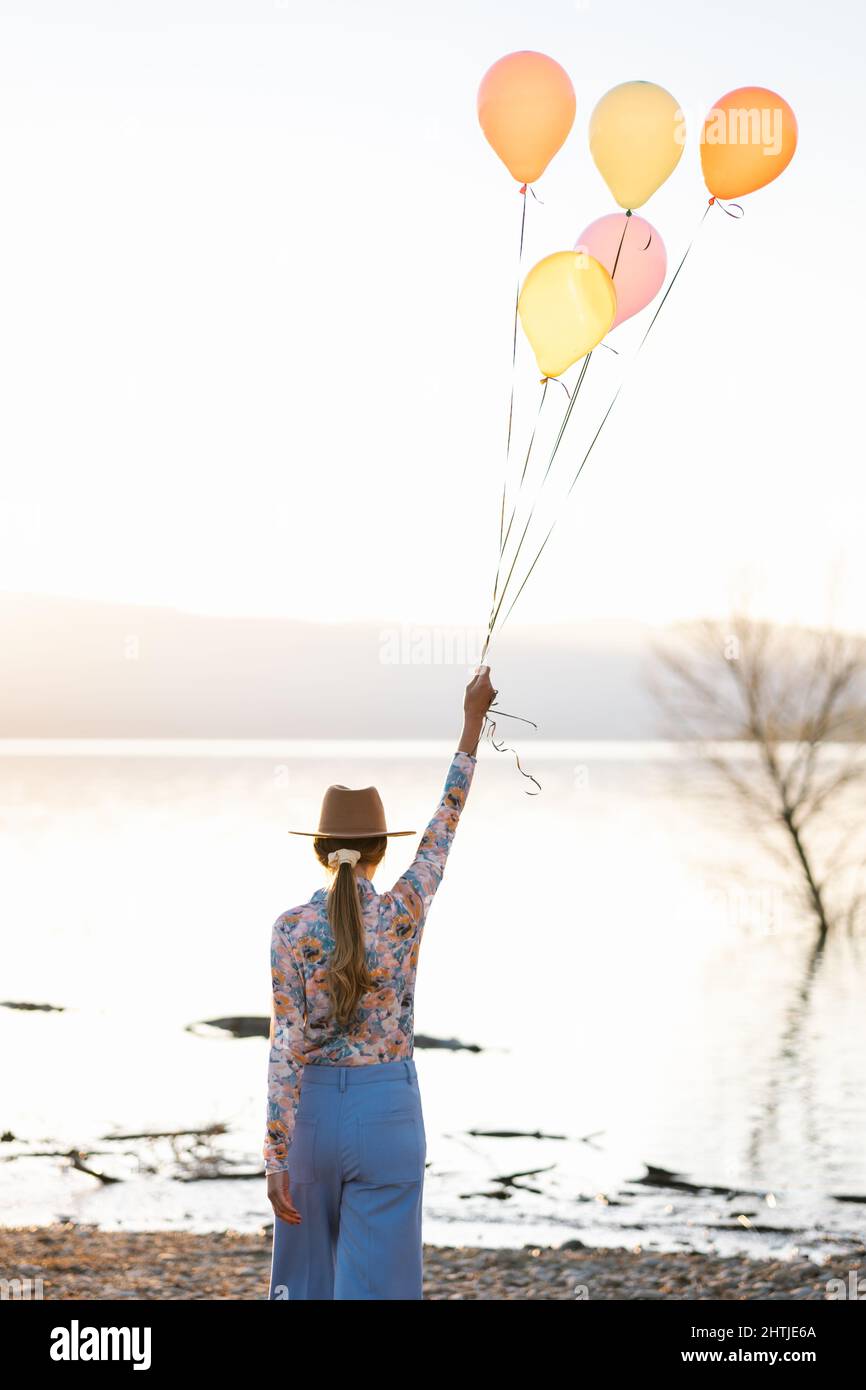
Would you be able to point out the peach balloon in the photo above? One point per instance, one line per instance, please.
(748, 139)
(526, 107)
(642, 263)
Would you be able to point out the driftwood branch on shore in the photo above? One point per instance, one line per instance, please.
(208, 1132)
(75, 1156)
(65, 1153)
(509, 1180)
(424, 1041)
(663, 1177)
(78, 1156)
(531, 1134)
(259, 1025)
(40, 1008)
(252, 1026)
(219, 1176)
(78, 1162)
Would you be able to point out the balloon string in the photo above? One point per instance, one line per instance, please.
(614, 399)
(503, 714)
(489, 732)
(504, 542)
(619, 248)
(545, 382)
(513, 366)
(511, 400)
(497, 606)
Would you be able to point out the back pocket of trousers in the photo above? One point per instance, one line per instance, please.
(302, 1152)
(392, 1149)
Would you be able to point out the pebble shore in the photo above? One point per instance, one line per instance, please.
(76, 1261)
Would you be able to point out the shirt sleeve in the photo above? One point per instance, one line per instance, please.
(416, 887)
(287, 1048)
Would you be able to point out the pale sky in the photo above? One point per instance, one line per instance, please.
(258, 267)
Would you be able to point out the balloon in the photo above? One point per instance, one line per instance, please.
(641, 265)
(748, 139)
(636, 136)
(526, 107)
(566, 306)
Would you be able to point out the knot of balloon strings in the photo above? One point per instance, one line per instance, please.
(740, 212)
(489, 732)
(559, 381)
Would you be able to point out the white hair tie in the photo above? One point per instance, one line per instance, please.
(344, 856)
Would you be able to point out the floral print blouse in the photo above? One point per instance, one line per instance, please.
(301, 942)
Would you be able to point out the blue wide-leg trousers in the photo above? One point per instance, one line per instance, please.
(356, 1171)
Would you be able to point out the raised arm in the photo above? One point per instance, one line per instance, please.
(416, 887)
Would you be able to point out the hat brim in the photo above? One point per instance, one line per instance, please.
(355, 835)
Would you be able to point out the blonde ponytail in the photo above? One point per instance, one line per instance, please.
(349, 978)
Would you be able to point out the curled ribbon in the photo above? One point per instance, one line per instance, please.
(719, 204)
(489, 732)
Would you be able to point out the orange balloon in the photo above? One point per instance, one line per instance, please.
(748, 139)
(526, 107)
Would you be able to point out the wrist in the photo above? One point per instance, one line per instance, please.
(472, 726)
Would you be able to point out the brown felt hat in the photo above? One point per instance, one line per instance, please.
(350, 813)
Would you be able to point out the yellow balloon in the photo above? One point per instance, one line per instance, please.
(636, 135)
(566, 306)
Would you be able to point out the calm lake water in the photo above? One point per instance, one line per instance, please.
(632, 967)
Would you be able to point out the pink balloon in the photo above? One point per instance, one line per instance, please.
(642, 264)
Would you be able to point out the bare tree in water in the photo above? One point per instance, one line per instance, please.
(797, 697)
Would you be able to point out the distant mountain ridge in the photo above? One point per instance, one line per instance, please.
(81, 668)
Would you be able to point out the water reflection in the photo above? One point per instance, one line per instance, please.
(631, 969)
